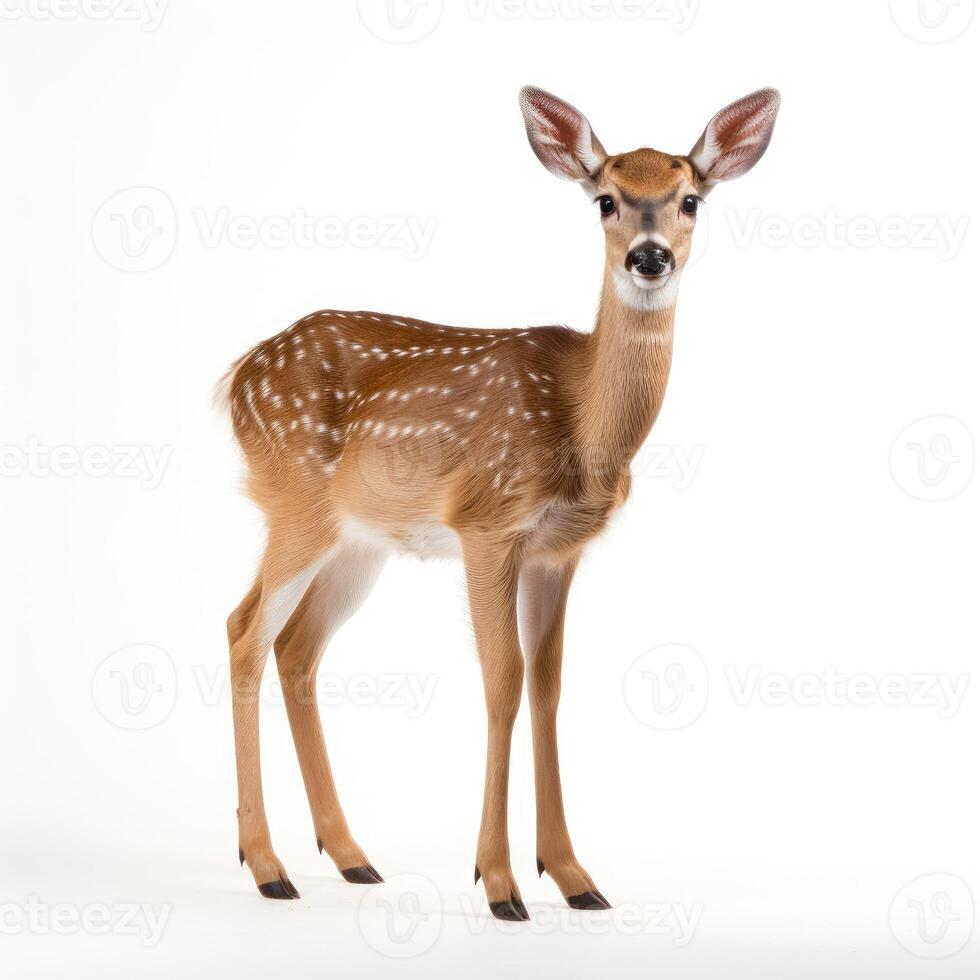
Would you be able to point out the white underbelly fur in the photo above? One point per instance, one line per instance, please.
(424, 539)
(428, 538)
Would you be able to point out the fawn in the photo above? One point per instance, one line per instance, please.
(366, 433)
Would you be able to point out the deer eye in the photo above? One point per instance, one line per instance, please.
(690, 204)
(606, 204)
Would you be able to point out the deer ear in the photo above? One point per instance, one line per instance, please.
(560, 135)
(736, 137)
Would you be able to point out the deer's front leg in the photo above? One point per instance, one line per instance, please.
(491, 579)
(543, 593)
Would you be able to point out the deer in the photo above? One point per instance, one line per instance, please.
(366, 434)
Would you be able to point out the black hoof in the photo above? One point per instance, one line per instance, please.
(362, 875)
(511, 911)
(278, 889)
(588, 901)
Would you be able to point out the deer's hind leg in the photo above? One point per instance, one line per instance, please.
(286, 572)
(334, 595)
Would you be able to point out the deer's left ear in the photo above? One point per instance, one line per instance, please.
(560, 135)
(735, 139)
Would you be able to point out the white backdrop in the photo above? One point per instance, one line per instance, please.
(768, 724)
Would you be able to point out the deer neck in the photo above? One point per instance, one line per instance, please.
(628, 361)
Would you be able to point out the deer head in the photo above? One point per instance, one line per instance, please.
(648, 200)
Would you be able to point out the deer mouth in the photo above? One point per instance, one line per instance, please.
(651, 281)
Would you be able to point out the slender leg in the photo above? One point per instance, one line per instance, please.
(543, 593)
(335, 594)
(491, 577)
(283, 579)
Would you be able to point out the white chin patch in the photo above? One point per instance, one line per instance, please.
(646, 294)
(645, 282)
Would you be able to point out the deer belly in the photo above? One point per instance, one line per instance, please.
(424, 539)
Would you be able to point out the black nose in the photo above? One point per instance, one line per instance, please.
(649, 259)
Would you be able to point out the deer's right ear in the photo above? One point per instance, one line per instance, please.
(560, 135)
